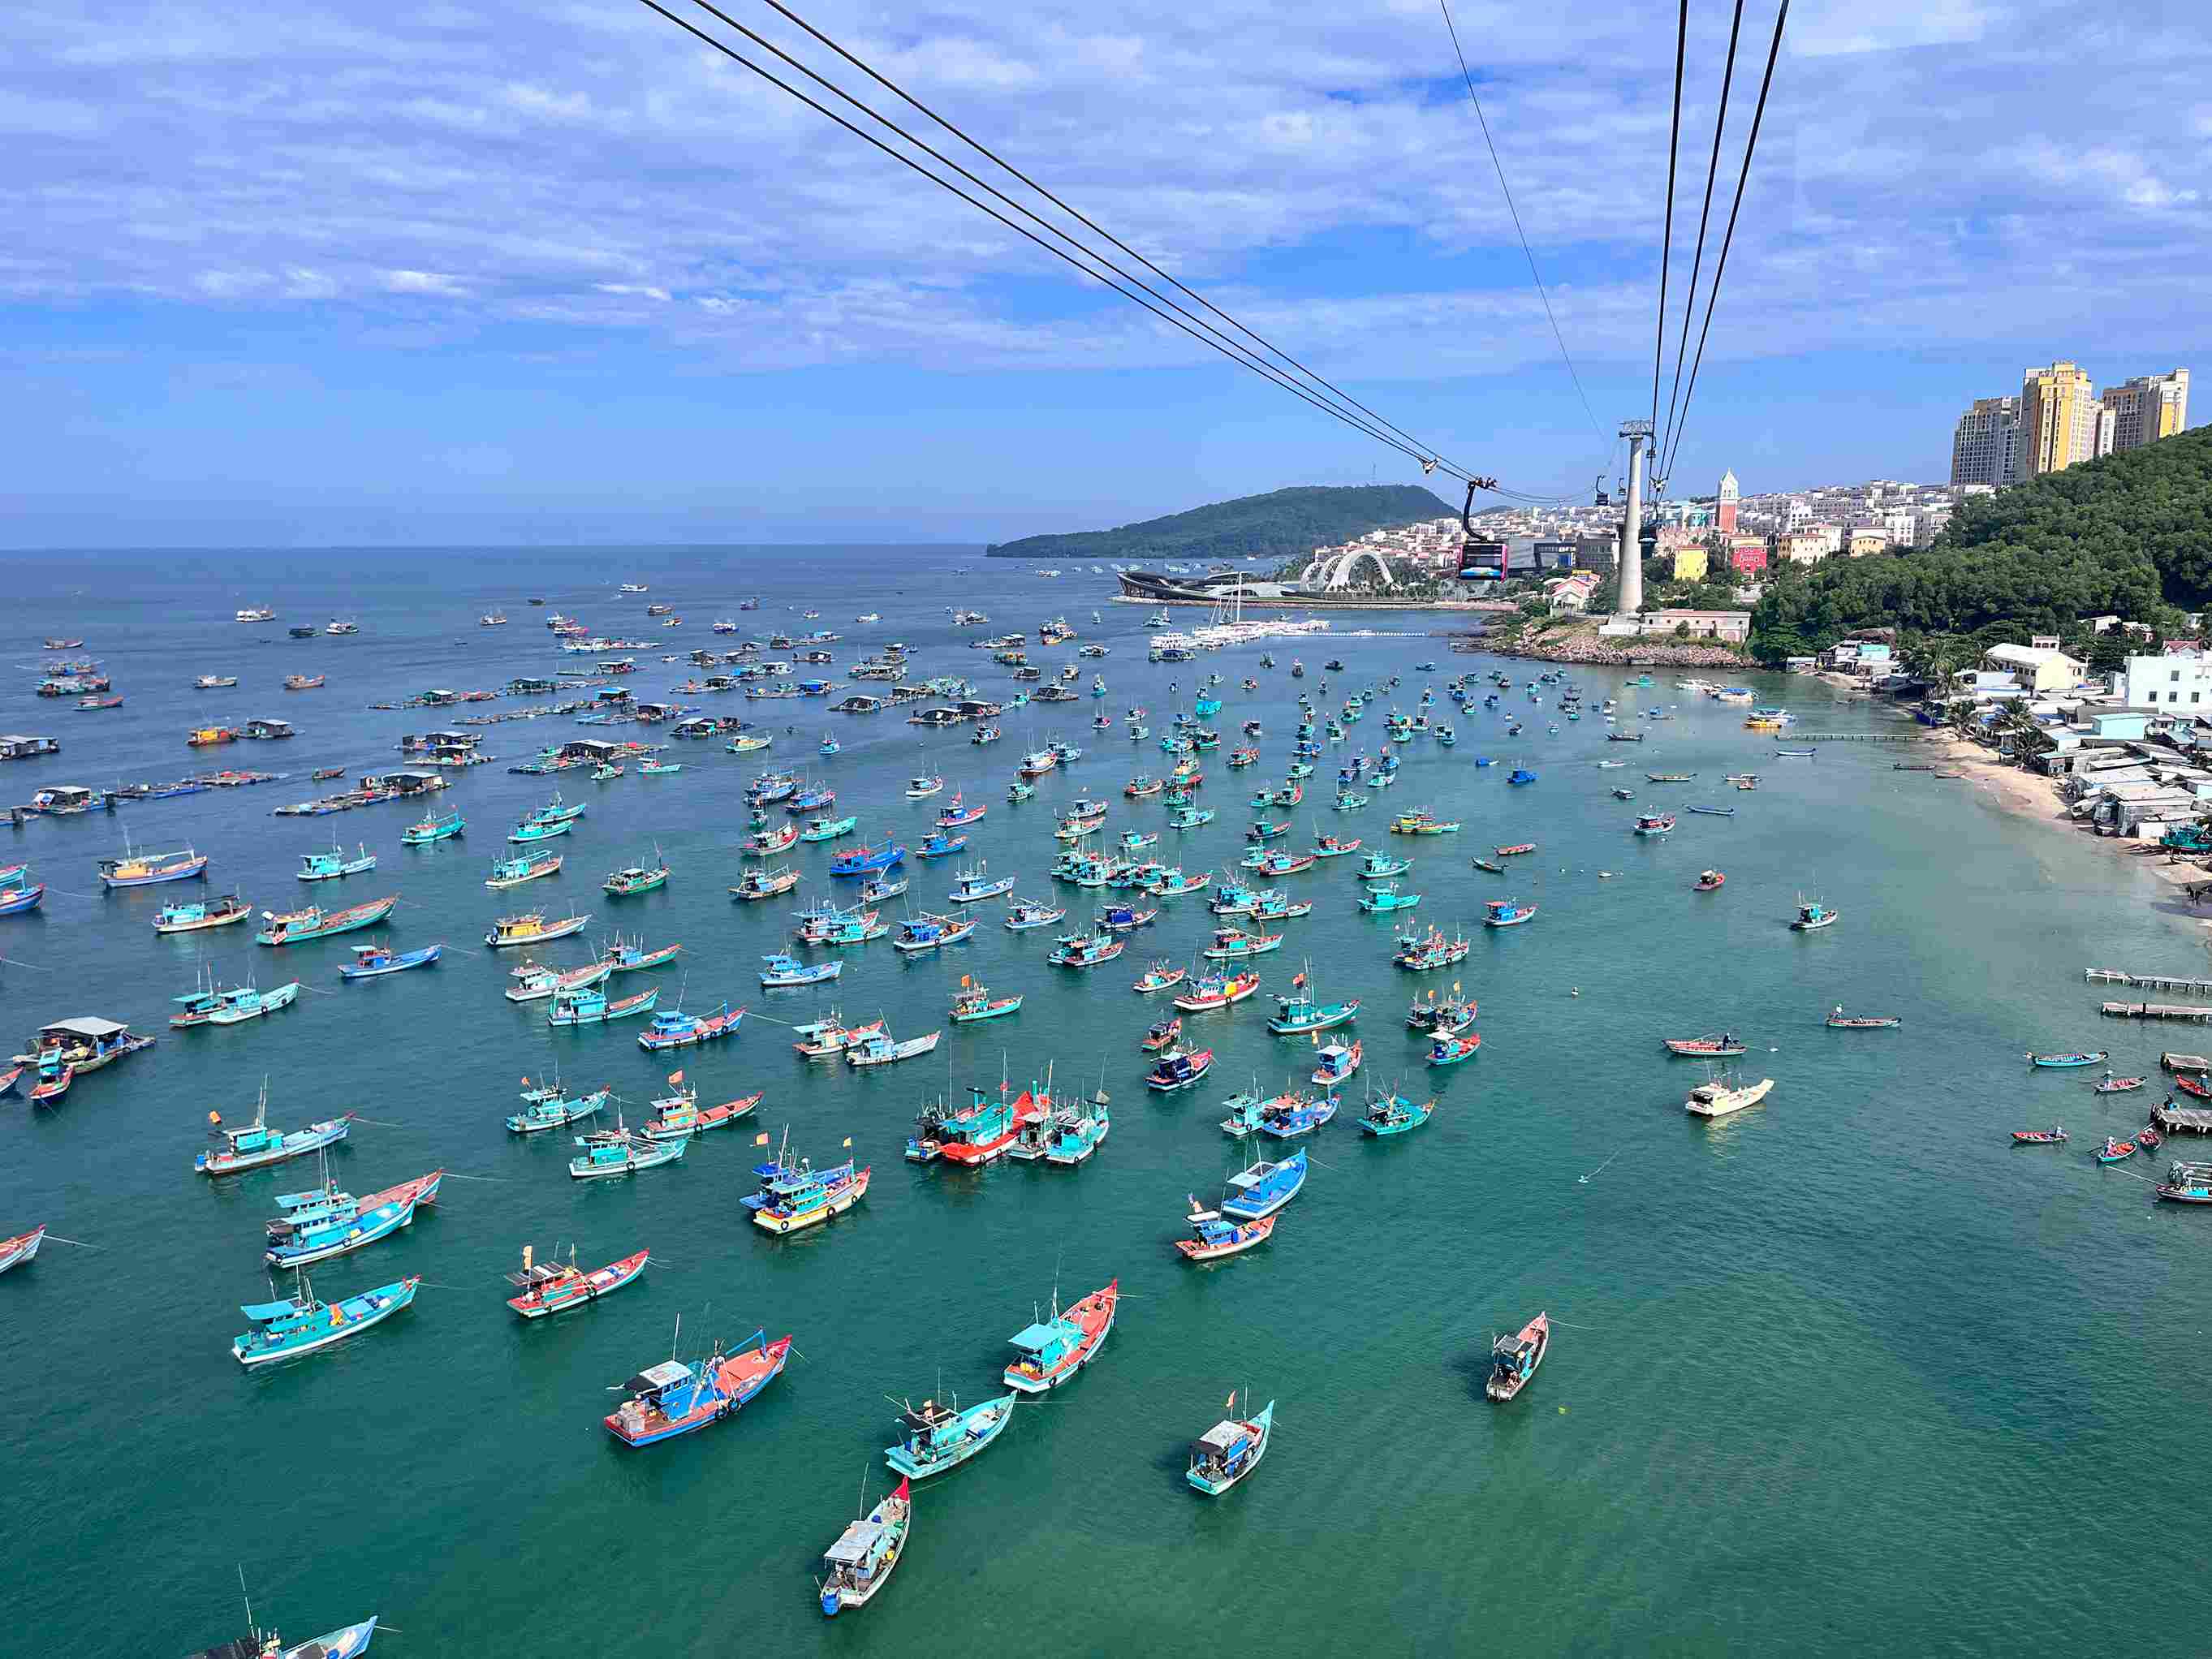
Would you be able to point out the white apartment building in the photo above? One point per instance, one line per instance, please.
(1985, 446)
(2176, 684)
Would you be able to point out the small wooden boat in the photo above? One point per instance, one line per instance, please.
(1494, 869)
(2050, 1137)
(555, 1288)
(1812, 916)
(372, 961)
(1213, 1238)
(1514, 1359)
(2067, 1061)
(1395, 1114)
(1055, 1349)
(1229, 1451)
(20, 1249)
(1710, 1047)
(2113, 1150)
(1838, 1020)
(862, 1559)
(1450, 1050)
(2118, 1085)
(1709, 882)
(1159, 976)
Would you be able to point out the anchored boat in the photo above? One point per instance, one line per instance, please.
(554, 1287)
(1055, 1349)
(674, 1398)
(1229, 1451)
(1514, 1359)
(940, 1437)
(302, 1324)
(861, 1562)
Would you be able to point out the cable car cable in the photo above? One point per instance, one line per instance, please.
(1667, 240)
(1705, 213)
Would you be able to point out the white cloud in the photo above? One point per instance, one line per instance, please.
(423, 281)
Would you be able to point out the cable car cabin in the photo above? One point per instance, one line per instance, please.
(1481, 561)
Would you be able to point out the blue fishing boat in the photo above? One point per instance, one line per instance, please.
(1053, 1349)
(1379, 901)
(784, 971)
(795, 1195)
(301, 1324)
(548, 1106)
(1381, 867)
(588, 1004)
(1212, 1237)
(1229, 1451)
(531, 829)
(1288, 1117)
(1298, 1014)
(1522, 775)
(674, 1398)
(1506, 913)
(256, 1144)
(1260, 1190)
(2067, 1060)
(1190, 818)
(928, 931)
(526, 867)
(324, 1222)
(1025, 913)
(940, 1437)
(370, 961)
(977, 883)
(1076, 1135)
(622, 1151)
(1393, 1115)
(334, 864)
(434, 826)
(18, 892)
(864, 860)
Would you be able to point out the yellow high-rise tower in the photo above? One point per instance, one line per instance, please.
(2147, 408)
(2057, 419)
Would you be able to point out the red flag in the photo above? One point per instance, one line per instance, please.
(676, 1080)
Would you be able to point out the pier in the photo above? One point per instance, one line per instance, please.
(2197, 1120)
(2194, 987)
(2173, 1062)
(1850, 737)
(2155, 1011)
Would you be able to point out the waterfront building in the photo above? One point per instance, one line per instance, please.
(2057, 420)
(2035, 667)
(2146, 408)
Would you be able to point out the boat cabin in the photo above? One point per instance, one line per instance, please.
(266, 729)
(401, 784)
(18, 746)
(938, 717)
(859, 703)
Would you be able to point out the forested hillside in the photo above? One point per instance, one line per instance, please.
(1259, 529)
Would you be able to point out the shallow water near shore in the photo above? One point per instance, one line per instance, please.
(1844, 1373)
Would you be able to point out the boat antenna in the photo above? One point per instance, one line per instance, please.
(676, 1339)
(245, 1596)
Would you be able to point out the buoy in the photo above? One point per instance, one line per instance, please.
(214, 1117)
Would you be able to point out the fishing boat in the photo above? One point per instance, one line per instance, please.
(940, 1437)
(1336, 1061)
(334, 864)
(1053, 1350)
(754, 885)
(1395, 1114)
(1514, 1359)
(1655, 823)
(958, 815)
(825, 1039)
(622, 1151)
(1812, 915)
(2113, 1150)
(784, 971)
(1710, 1047)
(2117, 1085)
(2051, 1137)
(1084, 949)
(201, 914)
(826, 828)
(1715, 812)
(532, 928)
(294, 926)
(865, 859)
(2067, 1061)
(2185, 1183)
(1126, 919)
(1380, 901)
(878, 1047)
(1162, 1036)
(1379, 866)
(1719, 1096)
(1175, 1070)
(1076, 1134)
(672, 1398)
(21, 1248)
(920, 788)
(630, 956)
(1161, 975)
(588, 1004)
(1020, 792)
(1213, 1237)
(862, 1559)
(301, 1324)
(1299, 1012)
(1229, 1451)
(1506, 913)
(604, 772)
(548, 1106)
(677, 1030)
(18, 893)
(794, 1196)
(1449, 1050)
(635, 878)
(1450, 1015)
(1838, 1020)
(374, 961)
(1709, 882)
(257, 1144)
(1217, 990)
(878, 888)
(1422, 822)
(1263, 1188)
(975, 1002)
(145, 869)
(1288, 1115)
(976, 884)
(435, 826)
(679, 1114)
(323, 1222)
(556, 1287)
(534, 829)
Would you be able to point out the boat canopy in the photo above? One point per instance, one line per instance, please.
(1228, 1438)
(654, 1378)
(85, 1026)
(1040, 1339)
(266, 1312)
(861, 1542)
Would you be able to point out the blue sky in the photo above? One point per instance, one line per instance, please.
(464, 271)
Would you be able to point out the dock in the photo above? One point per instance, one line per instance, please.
(2155, 1011)
(1852, 736)
(2193, 988)
(2196, 1120)
(2173, 1062)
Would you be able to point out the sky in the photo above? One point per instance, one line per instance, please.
(464, 271)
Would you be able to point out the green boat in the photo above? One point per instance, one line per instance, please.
(437, 826)
(828, 829)
(532, 830)
(635, 880)
(1393, 1115)
(1379, 901)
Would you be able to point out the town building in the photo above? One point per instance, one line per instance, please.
(2146, 408)
(2182, 683)
(2057, 420)
(1748, 555)
(1731, 497)
(1690, 564)
(2035, 667)
(1984, 446)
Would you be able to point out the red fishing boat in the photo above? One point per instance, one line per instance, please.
(2194, 1086)
(2050, 1137)
(1514, 1359)
(1162, 1036)
(2113, 1150)
(554, 1288)
(1053, 1350)
(1217, 991)
(53, 1087)
(1709, 882)
(1517, 849)
(1212, 1237)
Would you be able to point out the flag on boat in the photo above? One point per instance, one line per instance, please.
(674, 1080)
(848, 1142)
(1297, 981)
(760, 1140)
(1230, 1404)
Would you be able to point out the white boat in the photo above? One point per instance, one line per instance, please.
(1717, 1098)
(261, 613)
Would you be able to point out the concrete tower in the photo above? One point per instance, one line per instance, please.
(1731, 493)
(1639, 434)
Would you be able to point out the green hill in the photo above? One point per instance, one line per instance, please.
(1284, 524)
(2129, 535)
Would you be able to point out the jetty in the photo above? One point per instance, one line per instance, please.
(2187, 987)
(2155, 1011)
(1851, 737)
(2173, 1062)
(2197, 1120)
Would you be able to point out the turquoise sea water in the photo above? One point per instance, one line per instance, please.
(1844, 1373)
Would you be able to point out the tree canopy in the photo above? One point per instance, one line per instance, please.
(2130, 535)
(1283, 524)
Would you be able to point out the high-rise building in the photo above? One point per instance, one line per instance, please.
(1731, 493)
(2147, 408)
(1985, 446)
(2057, 419)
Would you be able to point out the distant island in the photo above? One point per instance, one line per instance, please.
(1269, 529)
